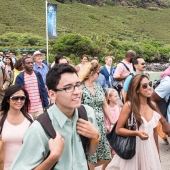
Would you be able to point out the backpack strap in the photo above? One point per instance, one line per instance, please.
(125, 66)
(85, 141)
(45, 122)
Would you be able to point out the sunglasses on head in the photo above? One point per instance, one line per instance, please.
(16, 98)
(145, 85)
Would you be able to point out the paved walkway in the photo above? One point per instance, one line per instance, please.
(165, 155)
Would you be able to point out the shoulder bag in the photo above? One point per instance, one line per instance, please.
(125, 147)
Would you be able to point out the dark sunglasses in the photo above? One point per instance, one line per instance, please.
(145, 85)
(16, 98)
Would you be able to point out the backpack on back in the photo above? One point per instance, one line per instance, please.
(162, 104)
(46, 124)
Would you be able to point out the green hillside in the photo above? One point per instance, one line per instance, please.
(124, 24)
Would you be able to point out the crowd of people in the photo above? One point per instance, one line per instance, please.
(108, 96)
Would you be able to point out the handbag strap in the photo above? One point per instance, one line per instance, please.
(132, 122)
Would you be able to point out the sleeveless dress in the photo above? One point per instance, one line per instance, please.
(96, 101)
(146, 157)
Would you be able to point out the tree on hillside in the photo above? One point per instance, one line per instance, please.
(76, 45)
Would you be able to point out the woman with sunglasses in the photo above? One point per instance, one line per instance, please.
(14, 121)
(93, 95)
(138, 102)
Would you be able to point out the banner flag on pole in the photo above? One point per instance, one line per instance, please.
(51, 17)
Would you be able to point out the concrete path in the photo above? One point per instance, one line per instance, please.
(165, 155)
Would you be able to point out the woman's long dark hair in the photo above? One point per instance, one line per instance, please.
(11, 64)
(5, 103)
(133, 97)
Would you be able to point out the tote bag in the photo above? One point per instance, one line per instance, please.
(125, 147)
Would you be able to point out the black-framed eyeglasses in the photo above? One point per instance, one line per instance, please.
(145, 85)
(71, 88)
(16, 98)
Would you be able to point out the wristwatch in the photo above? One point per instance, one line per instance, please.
(95, 140)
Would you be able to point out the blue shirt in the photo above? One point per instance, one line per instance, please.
(42, 70)
(163, 91)
(102, 81)
(128, 80)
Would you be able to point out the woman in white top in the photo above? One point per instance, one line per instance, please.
(14, 121)
(146, 113)
(84, 59)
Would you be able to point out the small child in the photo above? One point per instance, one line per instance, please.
(112, 100)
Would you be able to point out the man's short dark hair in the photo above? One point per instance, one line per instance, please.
(135, 61)
(23, 60)
(54, 75)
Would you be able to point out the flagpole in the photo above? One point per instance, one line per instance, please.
(47, 32)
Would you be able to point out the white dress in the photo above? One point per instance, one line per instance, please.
(146, 157)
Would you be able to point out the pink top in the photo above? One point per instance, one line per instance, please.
(166, 72)
(121, 69)
(115, 115)
(13, 136)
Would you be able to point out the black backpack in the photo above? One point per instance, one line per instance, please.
(162, 104)
(45, 122)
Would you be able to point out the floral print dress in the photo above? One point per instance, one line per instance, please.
(96, 101)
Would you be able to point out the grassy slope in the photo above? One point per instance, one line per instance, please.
(120, 22)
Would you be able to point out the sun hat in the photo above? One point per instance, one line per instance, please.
(37, 53)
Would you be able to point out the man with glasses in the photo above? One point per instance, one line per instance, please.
(139, 67)
(66, 149)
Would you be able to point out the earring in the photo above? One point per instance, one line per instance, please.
(137, 91)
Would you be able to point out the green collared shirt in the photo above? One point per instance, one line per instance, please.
(35, 143)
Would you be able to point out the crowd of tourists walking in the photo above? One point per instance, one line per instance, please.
(66, 117)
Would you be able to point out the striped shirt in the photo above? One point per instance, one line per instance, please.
(31, 86)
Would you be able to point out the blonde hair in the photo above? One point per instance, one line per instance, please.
(109, 92)
(108, 57)
(87, 70)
